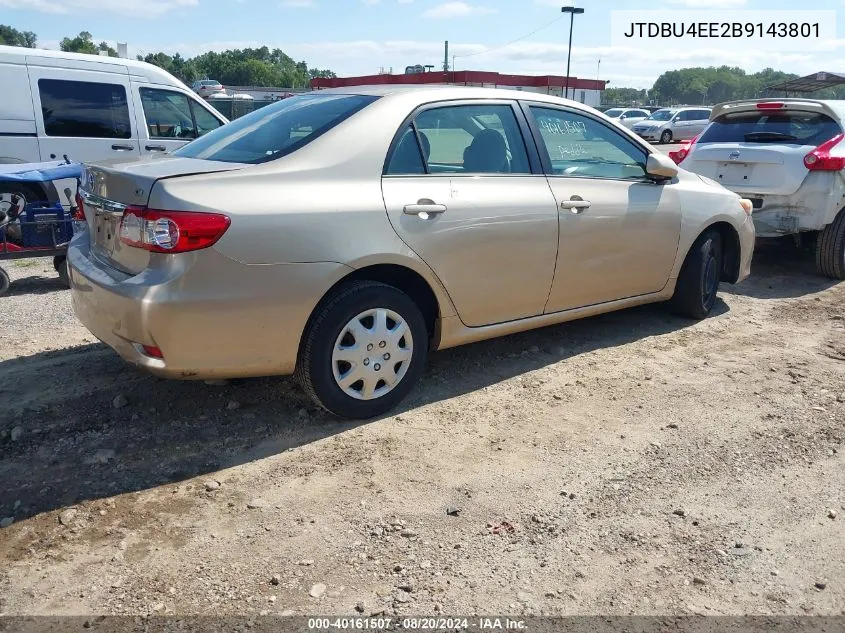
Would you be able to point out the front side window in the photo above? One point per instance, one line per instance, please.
(661, 115)
(204, 121)
(84, 109)
(471, 139)
(168, 114)
(275, 130)
(580, 146)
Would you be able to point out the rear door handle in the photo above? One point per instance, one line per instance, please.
(155, 148)
(575, 204)
(424, 209)
(122, 148)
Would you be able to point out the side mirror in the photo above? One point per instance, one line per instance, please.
(660, 166)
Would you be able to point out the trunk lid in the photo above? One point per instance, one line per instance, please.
(108, 187)
(751, 167)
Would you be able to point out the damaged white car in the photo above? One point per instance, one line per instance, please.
(788, 157)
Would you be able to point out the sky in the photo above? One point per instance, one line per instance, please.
(357, 37)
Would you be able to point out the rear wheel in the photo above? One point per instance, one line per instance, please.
(364, 350)
(5, 282)
(60, 264)
(698, 283)
(666, 137)
(830, 248)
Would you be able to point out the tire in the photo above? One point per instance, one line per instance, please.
(5, 282)
(830, 248)
(698, 283)
(60, 264)
(666, 137)
(320, 370)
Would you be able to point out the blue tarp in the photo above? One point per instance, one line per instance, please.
(39, 172)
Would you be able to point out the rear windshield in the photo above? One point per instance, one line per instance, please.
(788, 128)
(614, 112)
(275, 130)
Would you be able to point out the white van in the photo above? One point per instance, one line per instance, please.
(90, 108)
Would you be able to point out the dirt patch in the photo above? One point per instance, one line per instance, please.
(630, 463)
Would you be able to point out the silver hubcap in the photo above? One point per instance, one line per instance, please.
(372, 354)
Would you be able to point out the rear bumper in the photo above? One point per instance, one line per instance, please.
(211, 317)
(812, 207)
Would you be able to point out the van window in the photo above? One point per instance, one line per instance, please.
(170, 114)
(84, 109)
(167, 114)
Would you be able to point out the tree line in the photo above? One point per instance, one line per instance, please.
(708, 86)
(238, 67)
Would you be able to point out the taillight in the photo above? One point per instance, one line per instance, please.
(171, 231)
(79, 213)
(771, 105)
(152, 351)
(682, 152)
(821, 160)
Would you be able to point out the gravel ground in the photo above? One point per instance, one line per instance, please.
(630, 463)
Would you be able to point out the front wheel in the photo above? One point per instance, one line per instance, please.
(698, 283)
(830, 248)
(5, 282)
(364, 350)
(666, 137)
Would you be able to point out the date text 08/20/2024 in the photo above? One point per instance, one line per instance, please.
(416, 624)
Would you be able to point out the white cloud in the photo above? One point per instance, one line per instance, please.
(134, 8)
(456, 10)
(711, 4)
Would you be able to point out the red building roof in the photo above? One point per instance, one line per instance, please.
(461, 77)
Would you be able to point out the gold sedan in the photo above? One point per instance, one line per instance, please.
(343, 234)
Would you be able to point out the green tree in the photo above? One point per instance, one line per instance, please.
(12, 37)
(82, 43)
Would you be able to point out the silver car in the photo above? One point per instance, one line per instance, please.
(342, 234)
(673, 124)
(627, 116)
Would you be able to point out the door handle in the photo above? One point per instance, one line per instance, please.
(424, 209)
(155, 148)
(122, 148)
(576, 204)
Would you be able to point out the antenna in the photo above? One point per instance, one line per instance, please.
(446, 56)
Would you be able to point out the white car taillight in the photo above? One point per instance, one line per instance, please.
(820, 159)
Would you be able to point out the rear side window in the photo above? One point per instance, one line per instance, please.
(789, 128)
(275, 130)
(84, 109)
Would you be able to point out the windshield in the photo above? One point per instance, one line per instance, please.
(661, 115)
(614, 112)
(789, 128)
(275, 130)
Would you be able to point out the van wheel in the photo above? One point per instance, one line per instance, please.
(364, 350)
(698, 283)
(666, 137)
(60, 264)
(28, 195)
(830, 248)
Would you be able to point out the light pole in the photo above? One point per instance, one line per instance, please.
(572, 11)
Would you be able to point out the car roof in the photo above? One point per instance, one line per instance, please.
(150, 72)
(445, 92)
